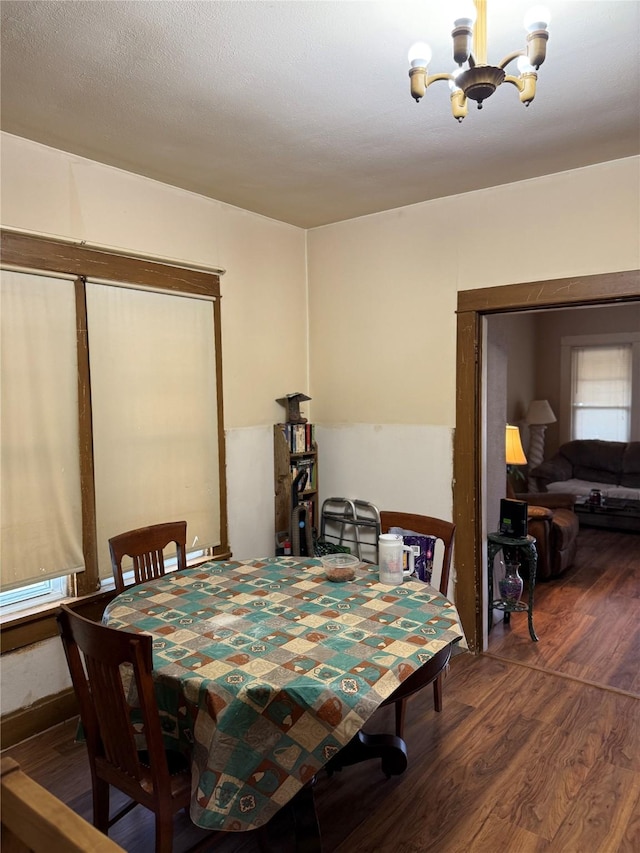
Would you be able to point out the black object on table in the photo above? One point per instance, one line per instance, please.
(525, 546)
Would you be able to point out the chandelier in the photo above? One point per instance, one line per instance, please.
(479, 80)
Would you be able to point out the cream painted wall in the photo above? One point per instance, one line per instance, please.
(381, 314)
(382, 297)
(383, 288)
(382, 300)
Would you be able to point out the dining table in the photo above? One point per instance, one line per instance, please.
(266, 671)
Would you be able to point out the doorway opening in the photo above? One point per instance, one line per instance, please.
(470, 446)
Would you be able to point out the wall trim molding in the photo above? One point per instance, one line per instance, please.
(42, 715)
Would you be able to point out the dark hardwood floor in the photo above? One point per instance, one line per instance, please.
(537, 749)
(588, 619)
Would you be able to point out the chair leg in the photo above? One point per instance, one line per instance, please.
(164, 832)
(400, 706)
(100, 792)
(437, 693)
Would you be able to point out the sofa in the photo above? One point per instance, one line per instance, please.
(585, 464)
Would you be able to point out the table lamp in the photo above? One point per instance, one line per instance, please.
(514, 455)
(539, 414)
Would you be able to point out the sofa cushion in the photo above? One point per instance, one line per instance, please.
(631, 465)
(629, 493)
(580, 489)
(554, 469)
(593, 459)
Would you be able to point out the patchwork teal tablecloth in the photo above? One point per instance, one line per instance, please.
(264, 670)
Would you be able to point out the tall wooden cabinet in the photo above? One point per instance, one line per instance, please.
(294, 451)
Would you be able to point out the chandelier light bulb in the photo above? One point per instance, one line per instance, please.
(537, 18)
(420, 55)
(453, 83)
(466, 13)
(524, 65)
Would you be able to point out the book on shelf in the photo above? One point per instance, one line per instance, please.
(300, 437)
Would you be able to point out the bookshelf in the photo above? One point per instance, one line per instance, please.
(294, 451)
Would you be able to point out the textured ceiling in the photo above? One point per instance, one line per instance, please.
(301, 110)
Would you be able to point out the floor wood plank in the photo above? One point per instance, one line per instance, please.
(588, 619)
(537, 749)
(599, 819)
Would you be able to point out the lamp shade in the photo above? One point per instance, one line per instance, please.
(513, 447)
(540, 412)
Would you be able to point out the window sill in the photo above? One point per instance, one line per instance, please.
(38, 622)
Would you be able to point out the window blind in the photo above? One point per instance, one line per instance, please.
(601, 392)
(152, 362)
(40, 500)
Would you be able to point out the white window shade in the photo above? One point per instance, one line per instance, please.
(601, 393)
(155, 434)
(40, 509)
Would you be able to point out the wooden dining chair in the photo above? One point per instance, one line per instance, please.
(158, 780)
(145, 546)
(444, 531)
(33, 820)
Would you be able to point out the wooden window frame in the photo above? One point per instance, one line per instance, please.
(43, 254)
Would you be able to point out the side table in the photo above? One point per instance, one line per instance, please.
(525, 546)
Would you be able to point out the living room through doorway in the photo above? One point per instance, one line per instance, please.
(471, 460)
(521, 351)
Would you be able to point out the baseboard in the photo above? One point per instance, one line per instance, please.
(42, 715)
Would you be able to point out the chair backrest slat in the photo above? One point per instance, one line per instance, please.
(426, 526)
(98, 658)
(145, 546)
(113, 717)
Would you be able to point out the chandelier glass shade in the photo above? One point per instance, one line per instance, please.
(474, 78)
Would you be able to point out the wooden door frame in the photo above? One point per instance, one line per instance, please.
(472, 306)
